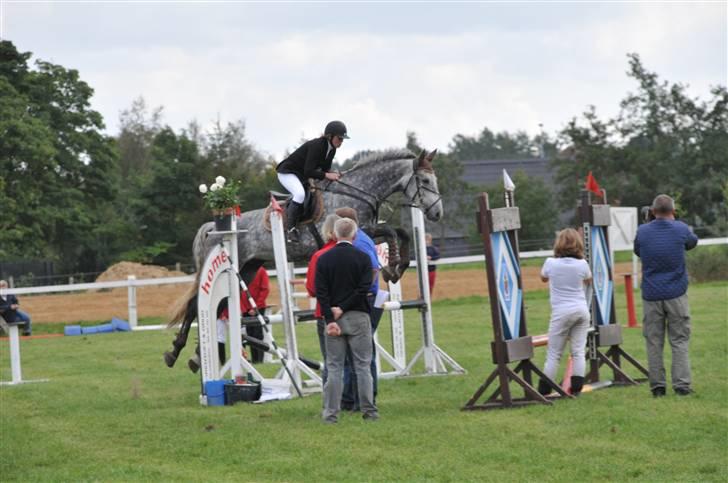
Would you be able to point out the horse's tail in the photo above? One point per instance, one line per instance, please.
(185, 307)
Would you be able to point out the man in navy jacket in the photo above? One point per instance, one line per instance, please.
(343, 279)
(661, 244)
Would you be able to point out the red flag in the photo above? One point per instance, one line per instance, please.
(275, 205)
(592, 185)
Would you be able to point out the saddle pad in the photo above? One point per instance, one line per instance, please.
(318, 211)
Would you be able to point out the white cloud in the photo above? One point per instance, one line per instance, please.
(288, 82)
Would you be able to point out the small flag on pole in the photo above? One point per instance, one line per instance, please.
(592, 185)
(275, 205)
(508, 182)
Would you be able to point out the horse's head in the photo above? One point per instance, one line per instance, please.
(421, 188)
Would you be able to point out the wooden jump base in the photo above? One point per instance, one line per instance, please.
(511, 344)
(605, 331)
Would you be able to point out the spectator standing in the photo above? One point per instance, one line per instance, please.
(567, 273)
(364, 243)
(433, 253)
(343, 280)
(330, 237)
(661, 245)
(259, 289)
(10, 309)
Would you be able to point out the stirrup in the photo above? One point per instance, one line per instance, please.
(293, 235)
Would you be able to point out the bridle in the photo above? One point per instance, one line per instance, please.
(420, 187)
(375, 202)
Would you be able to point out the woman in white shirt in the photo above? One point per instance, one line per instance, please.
(567, 273)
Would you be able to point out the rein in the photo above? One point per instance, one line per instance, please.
(373, 206)
(374, 202)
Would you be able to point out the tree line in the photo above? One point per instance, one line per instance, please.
(73, 194)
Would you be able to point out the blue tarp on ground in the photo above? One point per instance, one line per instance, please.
(116, 325)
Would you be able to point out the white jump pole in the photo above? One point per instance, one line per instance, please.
(15, 367)
(293, 362)
(435, 359)
(219, 281)
(132, 297)
(398, 358)
(230, 241)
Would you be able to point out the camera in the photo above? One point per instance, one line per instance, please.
(647, 215)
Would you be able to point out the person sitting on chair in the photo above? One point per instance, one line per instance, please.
(9, 309)
(311, 160)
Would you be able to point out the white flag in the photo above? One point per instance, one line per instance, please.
(508, 182)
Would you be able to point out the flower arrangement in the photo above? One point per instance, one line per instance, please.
(222, 196)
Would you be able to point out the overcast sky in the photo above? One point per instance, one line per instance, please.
(438, 69)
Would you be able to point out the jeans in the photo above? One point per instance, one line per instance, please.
(356, 335)
(349, 397)
(21, 316)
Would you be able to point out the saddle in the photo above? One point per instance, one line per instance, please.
(313, 207)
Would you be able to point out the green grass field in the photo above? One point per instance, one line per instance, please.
(113, 412)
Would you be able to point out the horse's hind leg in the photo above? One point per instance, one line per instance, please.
(170, 357)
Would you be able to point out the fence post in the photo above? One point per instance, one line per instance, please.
(132, 302)
(629, 292)
(11, 282)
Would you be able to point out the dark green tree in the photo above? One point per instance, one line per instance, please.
(502, 145)
(57, 166)
(229, 153)
(168, 209)
(537, 208)
(662, 141)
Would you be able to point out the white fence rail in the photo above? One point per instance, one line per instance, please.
(131, 283)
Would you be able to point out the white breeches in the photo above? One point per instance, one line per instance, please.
(293, 185)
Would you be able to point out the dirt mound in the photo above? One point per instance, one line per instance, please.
(122, 270)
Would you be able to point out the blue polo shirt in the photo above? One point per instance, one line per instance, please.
(363, 242)
(661, 245)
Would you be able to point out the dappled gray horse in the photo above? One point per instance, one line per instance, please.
(364, 187)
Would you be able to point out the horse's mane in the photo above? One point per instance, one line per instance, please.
(382, 156)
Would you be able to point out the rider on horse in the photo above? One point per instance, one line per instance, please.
(311, 160)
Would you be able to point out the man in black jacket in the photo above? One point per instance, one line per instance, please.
(311, 160)
(9, 309)
(343, 278)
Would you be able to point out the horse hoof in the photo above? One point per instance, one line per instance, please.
(169, 359)
(194, 364)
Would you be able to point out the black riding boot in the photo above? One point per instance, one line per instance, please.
(577, 384)
(544, 388)
(293, 211)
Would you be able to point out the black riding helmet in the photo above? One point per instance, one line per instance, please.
(336, 128)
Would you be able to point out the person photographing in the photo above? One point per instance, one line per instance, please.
(661, 245)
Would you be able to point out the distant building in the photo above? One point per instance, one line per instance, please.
(481, 173)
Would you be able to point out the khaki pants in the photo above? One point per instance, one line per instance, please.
(673, 315)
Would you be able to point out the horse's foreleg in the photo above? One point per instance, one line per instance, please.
(385, 233)
(404, 251)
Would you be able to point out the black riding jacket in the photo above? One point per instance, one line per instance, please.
(309, 160)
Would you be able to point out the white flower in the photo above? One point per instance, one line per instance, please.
(220, 180)
(203, 188)
(215, 187)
